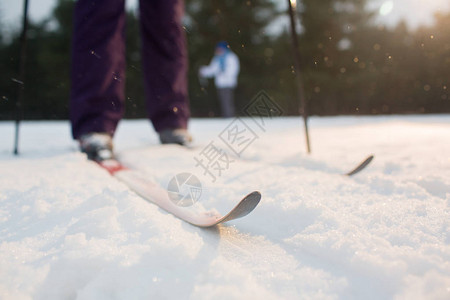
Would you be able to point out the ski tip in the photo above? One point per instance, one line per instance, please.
(245, 206)
(369, 158)
(253, 197)
(361, 166)
(249, 203)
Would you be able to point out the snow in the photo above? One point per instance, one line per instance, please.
(68, 230)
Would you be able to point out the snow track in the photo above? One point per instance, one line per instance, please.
(68, 230)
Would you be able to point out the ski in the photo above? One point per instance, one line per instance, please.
(361, 166)
(154, 193)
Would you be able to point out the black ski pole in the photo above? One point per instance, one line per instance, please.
(21, 80)
(300, 89)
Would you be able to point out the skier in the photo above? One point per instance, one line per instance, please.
(98, 72)
(225, 68)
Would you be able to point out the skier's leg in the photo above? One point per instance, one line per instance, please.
(98, 66)
(164, 57)
(226, 98)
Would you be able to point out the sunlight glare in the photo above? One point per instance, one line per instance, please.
(294, 3)
(386, 8)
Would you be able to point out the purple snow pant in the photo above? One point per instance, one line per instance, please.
(98, 65)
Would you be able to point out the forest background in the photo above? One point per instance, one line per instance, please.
(349, 63)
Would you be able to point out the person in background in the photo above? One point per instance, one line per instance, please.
(98, 72)
(224, 67)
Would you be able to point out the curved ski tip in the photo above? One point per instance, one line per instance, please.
(251, 201)
(243, 208)
(369, 158)
(254, 196)
(361, 166)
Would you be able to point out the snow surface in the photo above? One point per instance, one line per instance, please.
(68, 230)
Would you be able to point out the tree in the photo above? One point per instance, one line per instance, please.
(350, 65)
(328, 39)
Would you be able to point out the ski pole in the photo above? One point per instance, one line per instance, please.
(21, 81)
(300, 89)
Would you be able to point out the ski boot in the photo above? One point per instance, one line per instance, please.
(178, 136)
(98, 146)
